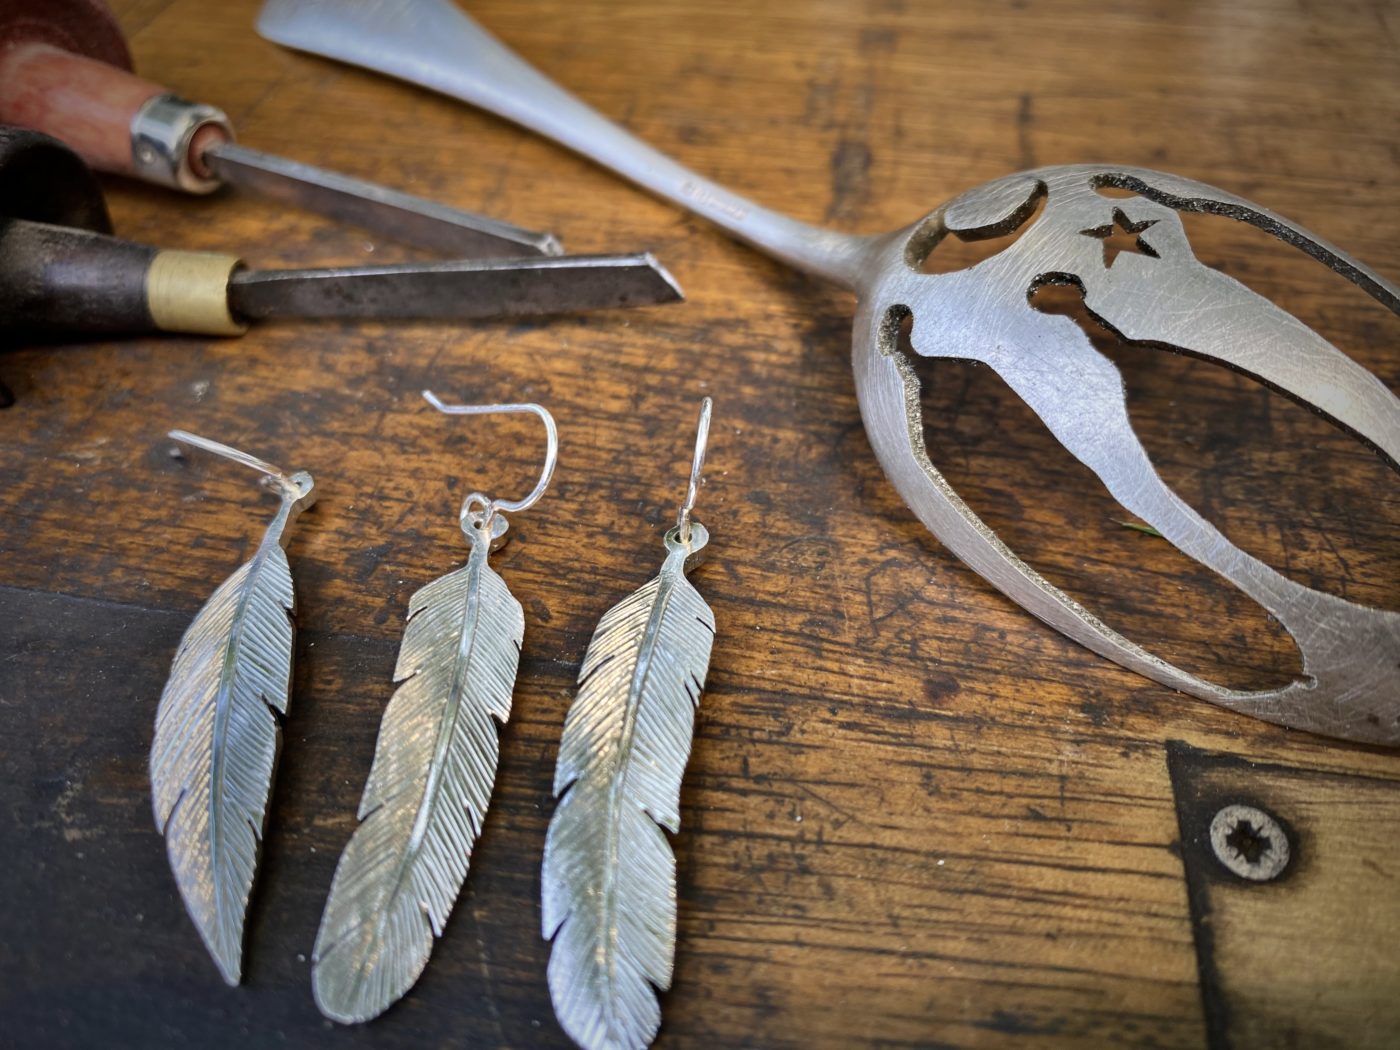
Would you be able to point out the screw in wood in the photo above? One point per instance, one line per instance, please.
(1249, 842)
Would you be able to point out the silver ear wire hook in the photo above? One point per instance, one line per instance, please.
(296, 487)
(228, 452)
(697, 464)
(489, 506)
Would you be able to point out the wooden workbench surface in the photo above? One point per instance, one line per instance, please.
(914, 815)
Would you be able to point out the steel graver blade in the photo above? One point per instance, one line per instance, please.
(459, 290)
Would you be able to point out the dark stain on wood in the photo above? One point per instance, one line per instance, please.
(1242, 928)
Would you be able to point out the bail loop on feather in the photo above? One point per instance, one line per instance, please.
(481, 520)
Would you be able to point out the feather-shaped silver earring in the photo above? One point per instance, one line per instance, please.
(216, 734)
(434, 768)
(609, 878)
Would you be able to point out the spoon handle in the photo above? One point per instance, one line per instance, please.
(433, 44)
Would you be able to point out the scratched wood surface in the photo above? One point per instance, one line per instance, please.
(914, 816)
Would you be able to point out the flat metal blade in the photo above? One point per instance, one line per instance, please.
(460, 290)
(398, 216)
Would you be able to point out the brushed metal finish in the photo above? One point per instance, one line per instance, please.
(216, 736)
(609, 876)
(434, 44)
(1350, 653)
(428, 790)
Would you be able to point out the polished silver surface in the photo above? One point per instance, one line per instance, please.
(427, 794)
(609, 875)
(398, 216)
(434, 769)
(161, 133)
(1165, 297)
(454, 290)
(434, 44)
(217, 736)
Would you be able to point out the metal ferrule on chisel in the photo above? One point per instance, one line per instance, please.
(168, 137)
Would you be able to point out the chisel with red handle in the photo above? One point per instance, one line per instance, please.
(65, 70)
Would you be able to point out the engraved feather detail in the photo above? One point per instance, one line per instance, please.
(609, 879)
(216, 741)
(427, 793)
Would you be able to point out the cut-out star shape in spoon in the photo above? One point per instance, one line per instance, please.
(1122, 235)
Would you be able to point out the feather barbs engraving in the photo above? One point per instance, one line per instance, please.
(428, 790)
(216, 734)
(609, 894)
(434, 768)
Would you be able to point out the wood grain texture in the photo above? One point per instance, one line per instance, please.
(1266, 978)
(913, 816)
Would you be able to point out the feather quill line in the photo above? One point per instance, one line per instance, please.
(618, 786)
(431, 796)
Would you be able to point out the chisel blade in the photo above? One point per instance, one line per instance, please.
(459, 290)
(398, 216)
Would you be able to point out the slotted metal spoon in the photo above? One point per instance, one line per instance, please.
(1161, 294)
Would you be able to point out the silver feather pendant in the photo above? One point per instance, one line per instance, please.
(609, 876)
(217, 736)
(433, 773)
(423, 806)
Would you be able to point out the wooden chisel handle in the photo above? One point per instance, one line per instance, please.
(57, 280)
(61, 74)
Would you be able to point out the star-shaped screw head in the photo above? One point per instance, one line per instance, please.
(1248, 842)
(1122, 235)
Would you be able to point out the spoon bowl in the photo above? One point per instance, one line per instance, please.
(1156, 291)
